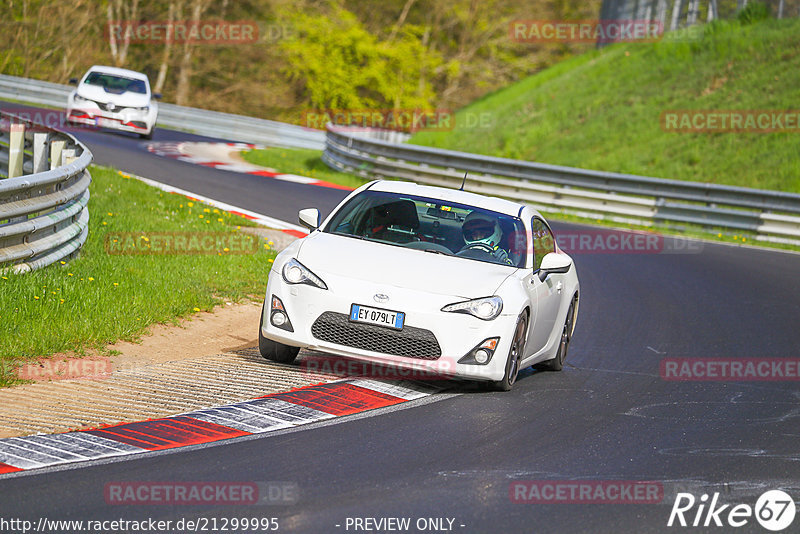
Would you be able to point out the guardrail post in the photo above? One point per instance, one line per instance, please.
(69, 155)
(40, 152)
(16, 146)
(56, 150)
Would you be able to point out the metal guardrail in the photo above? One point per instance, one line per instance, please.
(44, 193)
(199, 121)
(772, 215)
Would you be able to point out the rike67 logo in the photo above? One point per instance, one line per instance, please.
(774, 510)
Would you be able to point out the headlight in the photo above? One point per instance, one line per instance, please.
(79, 98)
(295, 272)
(145, 109)
(486, 308)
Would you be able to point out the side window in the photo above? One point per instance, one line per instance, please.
(543, 242)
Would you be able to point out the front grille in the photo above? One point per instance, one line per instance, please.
(410, 342)
(105, 107)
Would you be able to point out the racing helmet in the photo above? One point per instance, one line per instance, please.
(481, 228)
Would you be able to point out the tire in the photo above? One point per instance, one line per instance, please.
(272, 350)
(148, 135)
(557, 363)
(514, 356)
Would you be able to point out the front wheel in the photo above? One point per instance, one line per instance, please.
(514, 356)
(557, 363)
(272, 350)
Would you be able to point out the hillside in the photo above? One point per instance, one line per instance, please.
(602, 110)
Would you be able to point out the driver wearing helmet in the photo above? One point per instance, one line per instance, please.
(482, 232)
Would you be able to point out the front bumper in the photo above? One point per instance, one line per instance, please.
(320, 322)
(127, 120)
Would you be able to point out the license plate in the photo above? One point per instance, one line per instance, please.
(388, 318)
(107, 123)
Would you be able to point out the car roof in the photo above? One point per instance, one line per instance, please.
(116, 71)
(455, 196)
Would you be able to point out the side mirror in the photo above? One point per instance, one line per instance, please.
(309, 218)
(554, 263)
(73, 81)
(157, 96)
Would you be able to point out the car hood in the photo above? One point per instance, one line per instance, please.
(402, 267)
(126, 99)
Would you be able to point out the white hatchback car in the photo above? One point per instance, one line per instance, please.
(423, 277)
(114, 98)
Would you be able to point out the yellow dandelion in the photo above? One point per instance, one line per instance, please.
(201, 215)
(104, 223)
(270, 260)
(35, 297)
(206, 210)
(70, 274)
(216, 211)
(62, 262)
(61, 301)
(220, 219)
(115, 284)
(110, 214)
(190, 204)
(226, 249)
(270, 243)
(196, 309)
(91, 279)
(180, 206)
(5, 278)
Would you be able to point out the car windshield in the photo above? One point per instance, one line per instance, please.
(432, 225)
(116, 84)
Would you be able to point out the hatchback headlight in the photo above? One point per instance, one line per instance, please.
(486, 308)
(295, 272)
(79, 98)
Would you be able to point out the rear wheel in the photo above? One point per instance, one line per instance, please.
(557, 363)
(272, 350)
(514, 356)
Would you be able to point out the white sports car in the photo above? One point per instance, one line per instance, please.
(115, 98)
(423, 277)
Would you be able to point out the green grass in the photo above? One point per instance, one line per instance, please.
(601, 110)
(301, 161)
(99, 298)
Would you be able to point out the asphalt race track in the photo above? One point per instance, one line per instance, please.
(609, 416)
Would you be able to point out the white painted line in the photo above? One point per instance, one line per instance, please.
(257, 217)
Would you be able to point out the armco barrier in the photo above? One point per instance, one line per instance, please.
(772, 215)
(44, 192)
